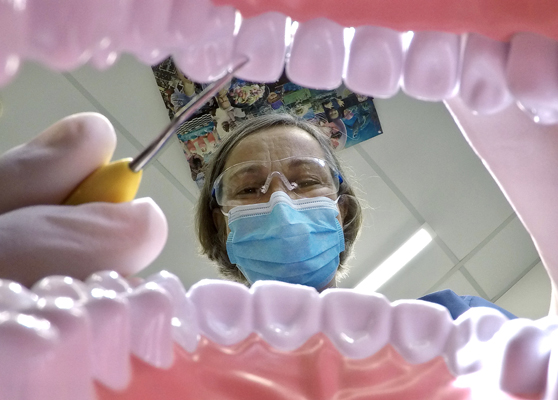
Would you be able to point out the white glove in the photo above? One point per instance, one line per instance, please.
(40, 237)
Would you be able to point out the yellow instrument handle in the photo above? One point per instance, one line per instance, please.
(113, 183)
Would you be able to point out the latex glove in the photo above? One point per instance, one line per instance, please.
(523, 159)
(40, 237)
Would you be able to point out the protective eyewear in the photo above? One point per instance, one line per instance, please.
(300, 177)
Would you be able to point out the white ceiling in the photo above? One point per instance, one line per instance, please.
(419, 171)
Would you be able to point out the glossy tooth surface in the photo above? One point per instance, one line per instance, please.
(110, 318)
(14, 297)
(285, 316)
(187, 21)
(483, 86)
(27, 357)
(150, 325)
(525, 358)
(13, 28)
(317, 55)
(145, 31)
(184, 322)
(224, 310)
(466, 343)
(211, 54)
(262, 39)
(109, 280)
(73, 358)
(532, 75)
(375, 62)
(359, 325)
(62, 37)
(551, 390)
(61, 286)
(431, 69)
(419, 330)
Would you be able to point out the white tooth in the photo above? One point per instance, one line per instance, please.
(359, 325)
(285, 315)
(151, 329)
(73, 357)
(551, 390)
(184, 322)
(466, 342)
(525, 357)
(109, 280)
(431, 68)
(210, 55)
(375, 62)
(483, 86)
(14, 297)
(419, 330)
(317, 55)
(224, 310)
(187, 21)
(110, 318)
(61, 286)
(262, 39)
(532, 77)
(27, 357)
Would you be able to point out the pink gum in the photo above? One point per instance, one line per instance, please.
(252, 369)
(498, 19)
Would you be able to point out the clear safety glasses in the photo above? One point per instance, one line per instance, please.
(300, 177)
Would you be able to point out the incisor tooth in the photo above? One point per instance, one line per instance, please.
(375, 62)
(359, 325)
(224, 310)
(317, 55)
(431, 70)
(286, 316)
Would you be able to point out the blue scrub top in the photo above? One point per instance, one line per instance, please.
(457, 305)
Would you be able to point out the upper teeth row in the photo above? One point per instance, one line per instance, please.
(62, 333)
(489, 75)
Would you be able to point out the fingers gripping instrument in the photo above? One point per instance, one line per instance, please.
(118, 181)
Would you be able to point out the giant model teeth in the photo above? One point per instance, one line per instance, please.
(285, 316)
(60, 286)
(109, 280)
(363, 332)
(14, 297)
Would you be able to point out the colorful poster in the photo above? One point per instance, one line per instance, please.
(345, 117)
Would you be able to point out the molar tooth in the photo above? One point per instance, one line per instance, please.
(151, 329)
(110, 318)
(375, 62)
(525, 358)
(532, 77)
(317, 54)
(262, 39)
(61, 286)
(285, 315)
(73, 357)
(420, 330)
(483, 86)
(358, 324)
(210, 55)
(432, 65)
(27, 348)
(473, 330)
(14, 297)
(184, 322)
(110, 280)
(224, 310)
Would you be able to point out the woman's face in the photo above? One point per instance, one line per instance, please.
(271, 145)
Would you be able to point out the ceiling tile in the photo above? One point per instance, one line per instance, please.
(459, 284)
(387, 222)
(503, 258)
(427, 158)
(419, 275)
(530, 296)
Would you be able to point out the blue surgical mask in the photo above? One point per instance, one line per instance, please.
(294, 241)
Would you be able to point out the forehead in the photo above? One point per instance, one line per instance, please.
(274, 144)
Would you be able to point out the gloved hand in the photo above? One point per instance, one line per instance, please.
(40, 237)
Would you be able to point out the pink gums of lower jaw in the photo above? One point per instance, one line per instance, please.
(252, 369)
(497, 19)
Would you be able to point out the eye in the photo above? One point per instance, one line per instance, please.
(248, 191)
